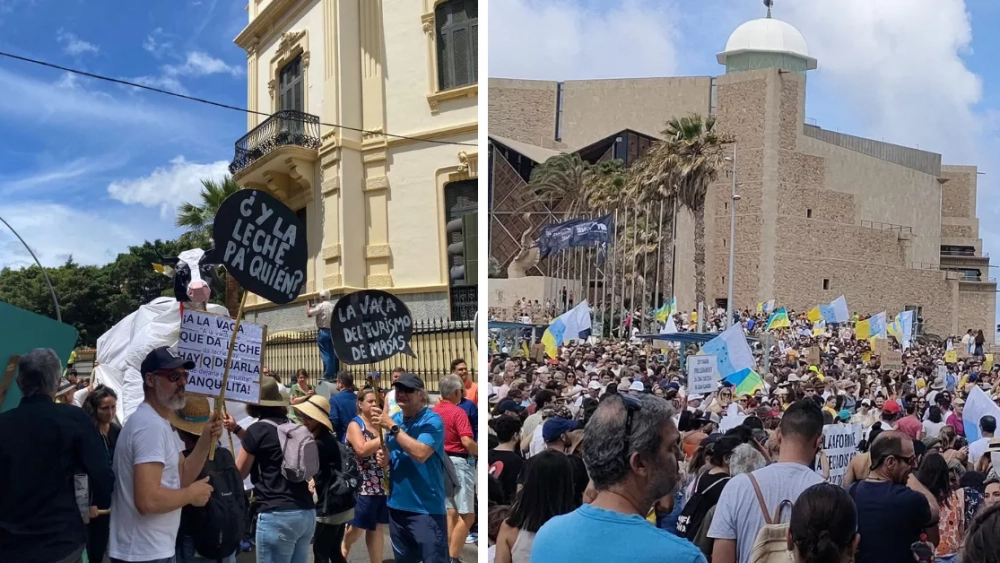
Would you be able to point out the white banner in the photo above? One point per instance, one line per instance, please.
(204, 339)
(703, 374)
(840, 444)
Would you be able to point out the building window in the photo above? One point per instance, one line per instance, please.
(826, 283)
(457, 42)
(559, 110)
(809, 213)
(291, 94)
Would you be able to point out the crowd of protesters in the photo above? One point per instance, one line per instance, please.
(318, 467)
(601, 453)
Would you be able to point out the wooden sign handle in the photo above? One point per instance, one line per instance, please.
(220, 402)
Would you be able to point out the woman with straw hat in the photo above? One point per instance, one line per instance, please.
(332, 512)
(189, 423)
(372, 512)
(287, 512)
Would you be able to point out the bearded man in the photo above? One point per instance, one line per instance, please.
(154, 479)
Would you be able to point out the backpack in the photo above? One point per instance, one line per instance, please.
(689, 521)
(218, 527)
(339, 494)
(450, 476)
(771, 543)
(300, 455)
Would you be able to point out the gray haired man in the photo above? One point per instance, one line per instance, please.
(632, 451)
(43, 445)
(461, 447)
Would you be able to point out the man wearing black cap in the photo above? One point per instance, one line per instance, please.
(153, 478)
(414, 437)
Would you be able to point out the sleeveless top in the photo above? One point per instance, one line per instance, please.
(373, 478)
(520, 552)
(951, 525)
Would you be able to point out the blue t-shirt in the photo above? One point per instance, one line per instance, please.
(417, 487)
(570, 537)
(470, 409)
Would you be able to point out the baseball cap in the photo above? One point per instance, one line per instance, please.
(409, 381)
(623, 386)
(891, 407)
(594, 384)
(636, 386)
(507, 405)
(163, 358)
(556, 427)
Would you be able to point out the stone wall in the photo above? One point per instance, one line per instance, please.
(523, 110)
(958, 194)
(798, 235)
(977, 309)
(957, 231)
(868, 288)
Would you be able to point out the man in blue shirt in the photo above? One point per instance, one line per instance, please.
(343, 405)
(639, 430)
(414, 438)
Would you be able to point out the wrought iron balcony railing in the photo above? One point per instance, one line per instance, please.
(283, 128)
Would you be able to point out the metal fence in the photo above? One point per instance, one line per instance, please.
(435, 342)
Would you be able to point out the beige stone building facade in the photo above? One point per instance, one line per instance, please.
(372, 138)
(821, 214)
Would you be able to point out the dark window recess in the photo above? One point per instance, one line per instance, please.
(809, 213)
(559, 110)
(291, 94)
(826, 283)
(458, 43)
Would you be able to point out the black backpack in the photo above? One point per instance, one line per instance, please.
(690, 519)
(338, 496)
(218, 527)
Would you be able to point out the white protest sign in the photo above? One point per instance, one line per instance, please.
(840, 444)
(703, 374)
(730, 421)
(205, 340)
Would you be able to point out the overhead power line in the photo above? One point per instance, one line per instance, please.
(209, 102)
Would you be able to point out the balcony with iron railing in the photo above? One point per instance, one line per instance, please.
(286, 128)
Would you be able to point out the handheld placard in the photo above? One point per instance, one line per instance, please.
(369, 326)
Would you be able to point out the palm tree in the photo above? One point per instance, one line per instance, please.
(577, 186)
(681, 167)
(199, 220)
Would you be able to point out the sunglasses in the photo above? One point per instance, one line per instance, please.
(632, 405)
(173, 377)
(907, 460)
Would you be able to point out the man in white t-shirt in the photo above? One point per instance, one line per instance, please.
(153, 480)
(987, 429)
(738, 515)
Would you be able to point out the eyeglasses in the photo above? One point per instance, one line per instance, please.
(633, 404)
(174, 377)
(907, 460)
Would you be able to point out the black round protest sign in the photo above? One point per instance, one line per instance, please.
(370, 326)
(263, 245)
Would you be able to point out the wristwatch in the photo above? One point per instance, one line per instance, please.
(394, 429)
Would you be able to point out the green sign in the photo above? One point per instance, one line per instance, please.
(22, 332)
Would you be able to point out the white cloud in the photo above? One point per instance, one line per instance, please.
(73, 45)
(198, 63)
(168, 187)
(63, 178)
(55, 231)
(562, 40)
(155, 43)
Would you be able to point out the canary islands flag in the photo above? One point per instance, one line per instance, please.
(667, 309)
(779, 319)
(571, 325)
(871, 327)
(746, 382)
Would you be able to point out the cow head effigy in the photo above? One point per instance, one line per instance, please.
(194, 275)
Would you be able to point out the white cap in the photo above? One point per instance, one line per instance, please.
(594, 385)
(637, 386)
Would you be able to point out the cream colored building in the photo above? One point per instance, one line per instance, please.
(821, 214)
(400, 76)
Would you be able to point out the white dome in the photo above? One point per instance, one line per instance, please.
(767, 35)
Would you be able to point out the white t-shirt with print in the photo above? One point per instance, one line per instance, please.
(146, 438)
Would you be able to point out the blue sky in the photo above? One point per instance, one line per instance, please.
(88, 168)
(921, 73)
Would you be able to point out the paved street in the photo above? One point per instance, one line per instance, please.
(359, 553)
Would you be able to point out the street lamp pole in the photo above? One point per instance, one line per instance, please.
(52, 290)
(732, 245)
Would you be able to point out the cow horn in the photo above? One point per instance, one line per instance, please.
(171, 261)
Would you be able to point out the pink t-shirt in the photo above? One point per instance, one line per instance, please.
(910, 426)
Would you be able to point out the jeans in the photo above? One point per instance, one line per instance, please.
(186, 553)
(326, 544)
(167, 560)
(325, 342)
(949, 559)
(284, 536)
